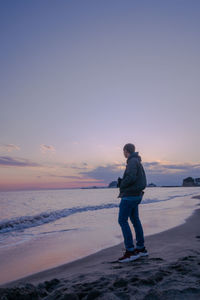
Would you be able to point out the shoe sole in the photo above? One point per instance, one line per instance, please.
(135, 257)
(132, 258)
(144, 254)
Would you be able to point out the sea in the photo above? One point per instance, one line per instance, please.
(46, 228)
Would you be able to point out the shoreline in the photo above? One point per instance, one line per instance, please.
(83, 257)
(176, 254)
(52, 251)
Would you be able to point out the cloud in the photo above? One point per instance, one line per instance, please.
(66, 176)
(185, 167)
(9, 147)
(104, 173)
(78, 167)
(169, 167)
(46, 148)
(151, 164)
(16, 162)
(158, 172)
(170, 174)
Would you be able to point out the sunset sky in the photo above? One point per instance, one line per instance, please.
(79, 79)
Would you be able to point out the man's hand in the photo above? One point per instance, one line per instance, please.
(119, 182)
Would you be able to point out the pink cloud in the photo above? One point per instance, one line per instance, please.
(9, 148)
(47, 148)
(7, 161)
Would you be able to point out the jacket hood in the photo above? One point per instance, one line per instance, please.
(135, 155)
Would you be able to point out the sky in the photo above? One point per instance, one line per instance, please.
(79, 79)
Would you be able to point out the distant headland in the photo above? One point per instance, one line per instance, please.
(189, 181)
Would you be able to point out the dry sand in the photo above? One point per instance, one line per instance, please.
(172, 271)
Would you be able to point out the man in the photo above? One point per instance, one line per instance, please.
(131, 192)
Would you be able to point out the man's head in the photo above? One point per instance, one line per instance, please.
(128, 150)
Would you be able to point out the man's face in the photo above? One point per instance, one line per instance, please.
(126, 153)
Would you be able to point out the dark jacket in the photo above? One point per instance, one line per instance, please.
(134, 178)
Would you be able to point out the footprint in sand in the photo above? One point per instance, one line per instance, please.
(156, 259)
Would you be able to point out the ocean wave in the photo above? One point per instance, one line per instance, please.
(25, 222)
(147, 201)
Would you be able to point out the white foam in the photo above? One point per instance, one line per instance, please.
(24, 222)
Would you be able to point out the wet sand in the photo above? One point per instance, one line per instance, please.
(172, 271)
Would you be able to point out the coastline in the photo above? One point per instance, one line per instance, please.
(73, 240)
(173, 265)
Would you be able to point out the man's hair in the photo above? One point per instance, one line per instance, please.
(130, 148)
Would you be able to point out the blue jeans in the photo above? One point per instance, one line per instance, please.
(128, 208)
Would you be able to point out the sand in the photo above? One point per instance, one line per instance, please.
(172, 271)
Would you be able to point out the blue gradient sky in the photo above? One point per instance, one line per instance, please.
(79, 79)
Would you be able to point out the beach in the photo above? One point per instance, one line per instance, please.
(99, 124)
(171, 271)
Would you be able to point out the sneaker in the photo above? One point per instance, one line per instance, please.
(142, 252)
(129, 256)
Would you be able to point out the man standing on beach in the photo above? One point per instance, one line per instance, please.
(131, 192)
